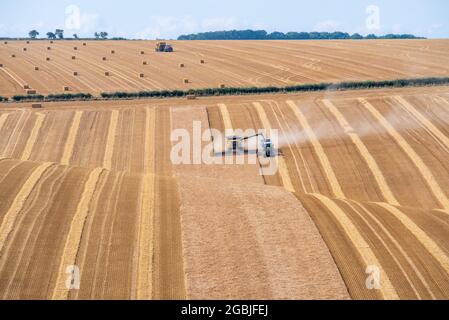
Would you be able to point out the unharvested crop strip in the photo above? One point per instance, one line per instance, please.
(416, 159)
(145, 272)
(145, 268)
(282, 166)
(68, 150)
(387, 290)
(26, 154)
(109, 150)
(431, 246)
(19, 201)
(370, 161)
(73, 239)
(226, 118)
(424, 121)
(324, 160)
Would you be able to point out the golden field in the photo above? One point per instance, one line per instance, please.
(362, 180)
(229, 63)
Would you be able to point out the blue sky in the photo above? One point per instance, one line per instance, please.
(170, 18)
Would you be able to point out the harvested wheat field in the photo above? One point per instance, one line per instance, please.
(362, 184)
(94, 68)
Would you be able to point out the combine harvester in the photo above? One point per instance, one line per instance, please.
(235, 145)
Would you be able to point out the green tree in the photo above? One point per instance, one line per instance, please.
(356, 36)
(104, 35)
(51, 35)
(97, 35)
(75, 36)
(59, 33)
(33, 34)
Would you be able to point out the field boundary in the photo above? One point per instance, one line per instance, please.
(233, 91)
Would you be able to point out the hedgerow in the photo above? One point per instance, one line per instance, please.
(207, 92)
(33, 97)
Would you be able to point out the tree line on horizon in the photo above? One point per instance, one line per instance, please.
(264, 35)
(59, 34)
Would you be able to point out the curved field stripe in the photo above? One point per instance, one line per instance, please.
(282, 166)
(145, 268)
(3, 118)
(442, 211)
(149, 140)
(14, 76)
(419, 163)
(424, 121)
(26, 154)
(420, 234)
(287, 133)
(12, 139)
(19, 201)
(109, 151)
(395, 243)
(68, 150)
(74, 236)
(370, 161)
(226, 118)
(387, 290)
(324, 160)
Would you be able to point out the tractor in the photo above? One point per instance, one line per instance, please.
(163, 47)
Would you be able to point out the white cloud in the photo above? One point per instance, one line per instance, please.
(327, 26)
(218, 24)
(89, 22)
(434, 27)
(397, 28)
(167, 27)
(171, 27)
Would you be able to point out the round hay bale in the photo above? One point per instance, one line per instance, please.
(104, 58)
(75, 48)
(142, 52)
(24, 49)
(73, 58)
(65, 88)
(112, 51)
(75, 73)
(26, 86)
(181, 65)
(222, 86)
(28, 42)
(6, 42)
(202, 61)
(141, 75)
(144, 63)
(13, 56)
(51, 41)
(48, 48)
(36, 68)
(107, 74)
(186, 80)
(84, 44)
(1, 65)
(48, 59)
